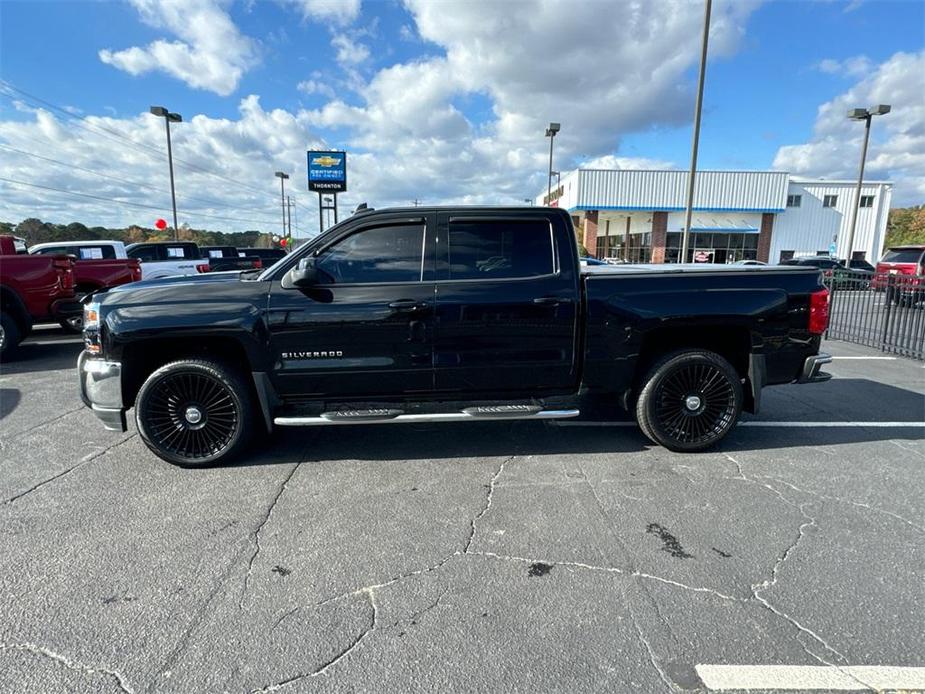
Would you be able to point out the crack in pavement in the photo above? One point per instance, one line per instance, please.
(70, 663)
(257, 531)
(370, 590)
(90, 457)
(22, 433)
(758, 588)
(340, 655)
(488, 499)
(859, 504)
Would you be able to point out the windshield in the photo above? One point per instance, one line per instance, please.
(902, 255)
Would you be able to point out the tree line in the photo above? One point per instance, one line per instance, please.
(906, 226)
(36, 231)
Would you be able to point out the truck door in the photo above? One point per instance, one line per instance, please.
(507, 304)
(366, 328)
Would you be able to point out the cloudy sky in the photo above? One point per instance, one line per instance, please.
(434, 101)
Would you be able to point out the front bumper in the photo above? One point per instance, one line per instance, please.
(812, 369)
(101, 389)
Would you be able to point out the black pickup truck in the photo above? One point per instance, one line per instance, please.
(445, 315)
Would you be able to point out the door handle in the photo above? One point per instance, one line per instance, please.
(407, 305)
(547, 300)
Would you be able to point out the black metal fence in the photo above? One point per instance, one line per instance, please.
(879, 310)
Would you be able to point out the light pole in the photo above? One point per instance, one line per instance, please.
(695, 142)
(282, 195)
(558, 176)
(169, 118)
(551, 134)
(865, 115)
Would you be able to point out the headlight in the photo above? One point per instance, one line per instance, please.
(92, 315)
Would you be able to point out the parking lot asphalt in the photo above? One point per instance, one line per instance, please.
(483, 557)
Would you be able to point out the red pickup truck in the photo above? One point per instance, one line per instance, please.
(33, 288)
(97, 265)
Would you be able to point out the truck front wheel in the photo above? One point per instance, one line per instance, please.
(689, 400)
(195, 413)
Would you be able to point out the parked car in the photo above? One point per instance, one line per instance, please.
(899, 273)
(167, 259)
(749, 262)
(267, 255)
(97, 264)
(493, 319)
(836, 273)
(33, 288)
(224, 258)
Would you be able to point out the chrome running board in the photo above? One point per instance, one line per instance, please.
(385, 416)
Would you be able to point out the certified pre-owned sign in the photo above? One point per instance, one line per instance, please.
(327, 172)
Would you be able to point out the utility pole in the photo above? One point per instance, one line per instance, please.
(282, 196)
(289, 213)
(695, 143)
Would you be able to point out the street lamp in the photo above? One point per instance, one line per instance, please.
(865, 115)
(282, 195)
(169, 118)
(551, 134)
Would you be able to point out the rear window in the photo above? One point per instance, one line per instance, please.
(500, 249)
(95, 252)
(902, 255)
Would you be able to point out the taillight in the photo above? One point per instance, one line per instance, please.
(818, 311)
(827, 273)
(203, 267)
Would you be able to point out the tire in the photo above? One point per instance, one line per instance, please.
(10, 336)
(676, 383)
(195, 413)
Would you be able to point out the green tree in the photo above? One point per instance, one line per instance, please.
(906, 226)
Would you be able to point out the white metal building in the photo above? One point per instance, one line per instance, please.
(764, 215)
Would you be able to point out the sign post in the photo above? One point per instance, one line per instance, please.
(327, 173)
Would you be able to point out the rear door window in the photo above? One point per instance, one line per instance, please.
(500, 249)
(146, 254)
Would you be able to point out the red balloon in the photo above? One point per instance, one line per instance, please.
(283, 241)
(161, 223)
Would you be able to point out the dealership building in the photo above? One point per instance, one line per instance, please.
(638, 216)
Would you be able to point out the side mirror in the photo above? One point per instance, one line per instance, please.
(303, 275)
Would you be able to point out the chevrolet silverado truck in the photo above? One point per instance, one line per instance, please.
(33, 289)
(445, 315)
(97, 264)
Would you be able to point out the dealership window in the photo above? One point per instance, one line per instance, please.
(830, 201)
(794, 200)
(381, 254)
(500, 249)
(867, 201)
(786, 255)
(713, 247)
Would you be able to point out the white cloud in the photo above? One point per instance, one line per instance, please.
(336, 11)
(897, 148)
(610, 161)
(242, 152)
(210, 53)
(314, 86)
(856, 66)
(349, 52)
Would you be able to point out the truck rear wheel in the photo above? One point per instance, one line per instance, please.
(10, 336)
(195, 413)
(689, 401)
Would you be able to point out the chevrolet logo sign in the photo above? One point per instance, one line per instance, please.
(326, 161)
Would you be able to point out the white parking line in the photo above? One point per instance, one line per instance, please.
(812, 677)
(799, 425)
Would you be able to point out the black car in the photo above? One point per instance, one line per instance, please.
(267, 255)
(837, 275)
(454, 314)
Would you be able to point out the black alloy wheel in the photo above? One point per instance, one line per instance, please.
(194, 412)
(690, 400)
